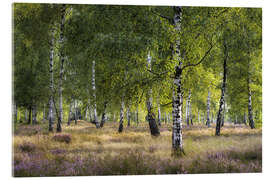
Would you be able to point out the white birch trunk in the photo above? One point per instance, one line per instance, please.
(86, 113)
(120, 129)
(94, 94)
(62, 59)
(70, 113)
(90, 111)
(34, 114)
(25, 115)
(250, 112)
(188, 108)
(208, 109)
(51, 114)
(150, 115)
(245, 118)
(177, 142)
(159, 114)
(128, 116)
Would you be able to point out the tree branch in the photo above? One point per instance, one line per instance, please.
(162, 16)
(199, 62)
(157, 74)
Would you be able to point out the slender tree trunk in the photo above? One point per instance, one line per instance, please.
(165, 117)
(94, 95)
(34, 114)
(208, 109)
(221, 102)
(103, 118)
(187, 122)
(128, 116)
(137, 114)
(75, 112)
(86, 113)
(190, 112)
(90, 111)
(250, 112)
(25, 115)
(224, 113)
(177, 142)
(29, 115)
(62, 59)
(44, 113)
(150, 115)
(51, 114)
(70, 113)
(15, 113)
(198, 116)
(245, 119)
(120, 129)
(159, 113)
(188, 108)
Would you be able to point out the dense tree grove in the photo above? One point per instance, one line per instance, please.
(127, 64)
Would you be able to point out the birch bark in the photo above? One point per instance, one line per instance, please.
(221, 102)
(94, 94)
(62, 59)
(120, 129)
(208, 109)
(150, 115)
(177, 142)
(51, 114)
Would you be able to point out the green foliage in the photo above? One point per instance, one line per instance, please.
(119, 38)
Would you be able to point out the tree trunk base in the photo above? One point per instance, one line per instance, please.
(120, 129)
(178, 152)
(153, 125)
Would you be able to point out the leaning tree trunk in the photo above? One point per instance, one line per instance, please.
(177, 142)
(222, 101)
(34, 114)
(208, 109)
(120, 129)
(94, 95)
(224, 113)
(62, 59)
(103, 118)
(150, 115)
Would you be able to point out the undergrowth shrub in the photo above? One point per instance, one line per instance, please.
(62, 138)
(27, 147)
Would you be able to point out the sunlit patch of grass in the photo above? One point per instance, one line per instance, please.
(104, 151)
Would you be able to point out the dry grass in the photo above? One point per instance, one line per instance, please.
(104, 151)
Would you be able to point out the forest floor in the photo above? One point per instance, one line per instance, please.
(84, 150)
